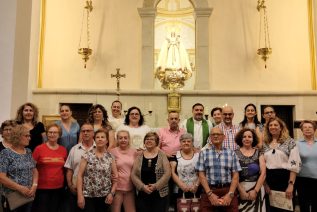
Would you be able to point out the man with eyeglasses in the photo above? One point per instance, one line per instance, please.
(218, 170)
(268, 113)
(198, 126)
(73, 161)
(230, 130)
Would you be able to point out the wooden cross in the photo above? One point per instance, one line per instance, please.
(118, 76)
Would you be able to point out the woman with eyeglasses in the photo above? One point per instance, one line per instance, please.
(27, 115)
(5, 131)
(18, 171)
(306, 182)
(282, 159)
(50, 158)
(150, 174)
(134, 123)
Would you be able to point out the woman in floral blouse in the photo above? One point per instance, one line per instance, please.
(97, 177)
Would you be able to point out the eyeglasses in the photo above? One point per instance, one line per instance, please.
(86, 131)
(27, 136)
(134, 114)
(227, 114)
(269, 112)
(7, 129)
(52, 132)
(216, 134)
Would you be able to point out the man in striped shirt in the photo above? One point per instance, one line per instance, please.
(218, 169)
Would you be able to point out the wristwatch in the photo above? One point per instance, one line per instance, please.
(231, 194)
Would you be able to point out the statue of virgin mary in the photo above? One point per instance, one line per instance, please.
(173, 64)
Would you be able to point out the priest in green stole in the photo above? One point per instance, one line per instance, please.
(198, 126)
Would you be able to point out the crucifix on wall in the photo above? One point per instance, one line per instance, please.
(118, 76)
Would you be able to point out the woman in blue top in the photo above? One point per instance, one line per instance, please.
(307, 178)
(70, 128)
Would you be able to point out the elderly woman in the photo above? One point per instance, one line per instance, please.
(98, 117)
(150, 174)
(97, 177)
(282, 159)
(5, 131)
(50, 158)
(125, 157)
(69, 126)
(17, 168)
(252, 176)
(134, 123)
(306, 182)
(183, 168)
(27, 115)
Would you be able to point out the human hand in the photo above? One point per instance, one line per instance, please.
(289, 191)
(147, 189)
(152, 187)
(81, 201)
(226, 199)
(244, 195)
(267, 189)
(252, 194)
(25, 191)
(109, 199)
(73, 189)
(214, 200)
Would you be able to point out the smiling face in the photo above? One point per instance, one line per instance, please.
(25, 138)
(6, 133)
(216, 136)
(123, 139)
(187, 144)
(53, 134)
(150, 143)
(116, 108)
(308, 130)
(134, 116)
(65, 112)
(227, 115)
(275, 128)
(87, 133)
(173, 120)
(217, 116)
(198, 112)
(268, 113)
(28, 113)
(247, 139)
(250, 112)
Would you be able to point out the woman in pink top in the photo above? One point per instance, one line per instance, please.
(125, 157)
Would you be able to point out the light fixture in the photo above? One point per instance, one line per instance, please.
(84, 40)
(264, 49)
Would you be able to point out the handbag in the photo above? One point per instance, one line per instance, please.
(188, 204)
(16, 199)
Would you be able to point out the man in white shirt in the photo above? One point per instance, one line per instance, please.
(198, 126)
(116, 118)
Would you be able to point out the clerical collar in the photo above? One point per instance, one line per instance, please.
(197, 122)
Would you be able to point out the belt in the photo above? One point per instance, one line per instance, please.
(220, 185)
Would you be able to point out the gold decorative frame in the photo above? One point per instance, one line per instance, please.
(50, 119)
(174, 102)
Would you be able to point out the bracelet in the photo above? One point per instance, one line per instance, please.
(291, 182)
(209, 193)
(34, 184)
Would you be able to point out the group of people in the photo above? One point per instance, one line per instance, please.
(118, 163)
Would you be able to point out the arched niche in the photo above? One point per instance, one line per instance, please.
(202, 13)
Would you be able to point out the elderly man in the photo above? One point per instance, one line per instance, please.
(198, 126)
(228, 128)
(169, 136)
(218, 170)
(73, 161)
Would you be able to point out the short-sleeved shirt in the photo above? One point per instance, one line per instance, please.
(230, 133)
(18, 167)
(97, 176)
(169, 140)
(50, 165)
(186, 168)
(308, 154)
(124, 162)
(74, 158)
(218, 166)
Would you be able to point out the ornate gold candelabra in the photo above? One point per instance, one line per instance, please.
(83, 49)
(264, 40)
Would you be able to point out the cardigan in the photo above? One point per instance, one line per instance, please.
(162, 171)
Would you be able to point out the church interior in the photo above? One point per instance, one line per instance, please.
(230, 53)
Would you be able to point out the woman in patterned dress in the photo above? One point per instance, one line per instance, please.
(97, 177)
(252, 176)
